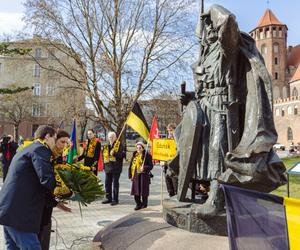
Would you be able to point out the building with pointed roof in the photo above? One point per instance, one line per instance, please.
(283, 64)
(268, 19)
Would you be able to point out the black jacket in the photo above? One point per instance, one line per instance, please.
(22, 197)
(114, 167)
(91, 161)
(4, 147)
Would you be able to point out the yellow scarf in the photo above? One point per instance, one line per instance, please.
(42, 142)
(116, 146)
(91, 148)
(137, 163)
(106, 154)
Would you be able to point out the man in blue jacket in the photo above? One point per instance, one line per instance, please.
(22, 197)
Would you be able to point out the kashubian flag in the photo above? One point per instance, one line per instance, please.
(74, 146)
(257, 220)
(137, 121)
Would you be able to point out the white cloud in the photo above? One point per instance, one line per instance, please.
(10, 22)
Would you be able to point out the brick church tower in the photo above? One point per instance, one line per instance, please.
(271, 40)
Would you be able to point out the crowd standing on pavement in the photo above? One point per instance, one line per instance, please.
(27, 198)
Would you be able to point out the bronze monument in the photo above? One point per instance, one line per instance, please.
(227, 131)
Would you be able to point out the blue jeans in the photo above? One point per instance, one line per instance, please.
(19, 240)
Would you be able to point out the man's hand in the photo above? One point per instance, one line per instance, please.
(162, 163)
(61, 206)
(186, 98)
(112, 152)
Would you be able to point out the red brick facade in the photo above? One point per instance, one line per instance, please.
(283, 64)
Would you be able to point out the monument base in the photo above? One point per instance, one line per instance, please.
(146, 229)
(181, 215)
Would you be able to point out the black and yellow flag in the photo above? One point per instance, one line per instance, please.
(137, 121)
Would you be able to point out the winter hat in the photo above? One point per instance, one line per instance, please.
(141, 144)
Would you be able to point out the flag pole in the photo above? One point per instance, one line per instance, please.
(161, 186)
(146, 151)
(119, 136)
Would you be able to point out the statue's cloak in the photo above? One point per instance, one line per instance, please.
(253, 163)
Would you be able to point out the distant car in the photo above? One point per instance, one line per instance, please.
(278, 146)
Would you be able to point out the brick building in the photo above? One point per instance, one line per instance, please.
(166, 110)
(283, 64)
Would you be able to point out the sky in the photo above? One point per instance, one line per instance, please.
(247, 12)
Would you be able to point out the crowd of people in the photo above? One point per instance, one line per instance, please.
(27, 199)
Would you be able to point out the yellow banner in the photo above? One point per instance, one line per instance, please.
(292, 210)
(163, 149)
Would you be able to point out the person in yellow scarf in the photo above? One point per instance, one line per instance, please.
(113, 155)
(62, 138)
(91, 152)
(139, 173)
(22, 197)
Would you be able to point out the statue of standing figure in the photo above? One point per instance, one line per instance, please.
(227, 131)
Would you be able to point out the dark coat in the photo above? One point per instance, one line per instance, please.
(22, 197)
(141, 181)
(91, 161)
(50, 201)
(115, 167)
(12, 148)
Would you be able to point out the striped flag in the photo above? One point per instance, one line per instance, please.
(258, 220)
(137, 122)
(74, 145)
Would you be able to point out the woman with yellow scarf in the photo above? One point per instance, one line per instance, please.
(139, 173)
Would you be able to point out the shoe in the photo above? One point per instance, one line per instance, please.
(137, 207)
(106, 201)
(144, 206)
(213, 205)
(114, 203)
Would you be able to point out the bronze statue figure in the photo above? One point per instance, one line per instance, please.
(227, 131)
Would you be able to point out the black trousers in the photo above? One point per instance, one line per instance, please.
(112, 186)
(4, 170)
(44, 236)
(172, 185)
(141, 202)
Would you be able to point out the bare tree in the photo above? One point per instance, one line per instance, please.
(16, 108)
(165, 108)
(122, 49)
(72, 107)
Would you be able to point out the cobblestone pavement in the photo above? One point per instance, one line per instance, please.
(73, 232)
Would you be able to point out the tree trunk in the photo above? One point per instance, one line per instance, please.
(16, 132)
(83, 128)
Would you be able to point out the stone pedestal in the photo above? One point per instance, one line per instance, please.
(146, 229)
(181, 215)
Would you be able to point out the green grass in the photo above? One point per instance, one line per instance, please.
(294, 180)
